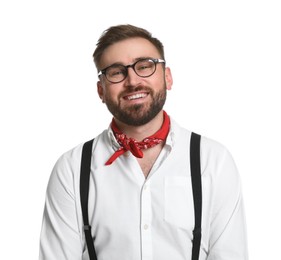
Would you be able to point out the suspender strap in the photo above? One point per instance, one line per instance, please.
(196, 188)
(197, 192)
(84, 194)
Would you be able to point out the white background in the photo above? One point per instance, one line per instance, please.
(226, 62)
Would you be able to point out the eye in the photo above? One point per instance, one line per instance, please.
(116, 71)
(144, 65)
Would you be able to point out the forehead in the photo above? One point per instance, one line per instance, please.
(127, 51)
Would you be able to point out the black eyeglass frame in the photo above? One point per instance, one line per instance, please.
(155, 61)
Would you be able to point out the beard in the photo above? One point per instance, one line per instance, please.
(138, 114)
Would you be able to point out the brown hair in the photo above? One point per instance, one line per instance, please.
(121, 32)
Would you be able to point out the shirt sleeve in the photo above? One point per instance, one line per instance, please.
(60, 236)
(228, 239)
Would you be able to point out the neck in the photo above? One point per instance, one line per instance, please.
(143, 131)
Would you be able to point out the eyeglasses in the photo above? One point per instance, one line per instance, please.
(118, 72)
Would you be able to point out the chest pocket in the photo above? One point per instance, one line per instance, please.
(179, 209)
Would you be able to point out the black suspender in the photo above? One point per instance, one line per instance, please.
(84, 195)
(195, 168)
(196, 188)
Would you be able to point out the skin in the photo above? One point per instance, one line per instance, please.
(127, 52)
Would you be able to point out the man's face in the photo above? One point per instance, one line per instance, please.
(135, 100)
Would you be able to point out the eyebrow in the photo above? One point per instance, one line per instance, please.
(134, 60)
(121, 63)
(142, 58)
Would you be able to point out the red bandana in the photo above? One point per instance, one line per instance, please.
(130, 144)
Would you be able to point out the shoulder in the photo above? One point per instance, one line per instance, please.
(182, 135)
(216, 159)
(73, 155)
(217, 162)
(66, 170)
(211, 147)
(67, 166)
(69, 158)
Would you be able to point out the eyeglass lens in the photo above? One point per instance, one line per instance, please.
(143, 68)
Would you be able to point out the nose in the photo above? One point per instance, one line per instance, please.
(132, 78)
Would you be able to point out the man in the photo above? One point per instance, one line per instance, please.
(140, 199)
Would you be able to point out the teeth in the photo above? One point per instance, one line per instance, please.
(136, 96)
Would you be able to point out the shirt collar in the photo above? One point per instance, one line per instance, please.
(170, 141)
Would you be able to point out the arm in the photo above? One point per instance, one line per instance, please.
(228, 240)
(60, 237)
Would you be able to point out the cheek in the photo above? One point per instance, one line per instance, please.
(111, 92)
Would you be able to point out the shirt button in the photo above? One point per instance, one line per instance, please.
(145, 227)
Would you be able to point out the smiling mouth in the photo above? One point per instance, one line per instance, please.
(136, 96)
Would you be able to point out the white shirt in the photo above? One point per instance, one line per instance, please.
(134, 218)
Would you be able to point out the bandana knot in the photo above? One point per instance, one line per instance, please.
(135, 147)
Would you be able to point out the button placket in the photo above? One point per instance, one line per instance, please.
(146, 222)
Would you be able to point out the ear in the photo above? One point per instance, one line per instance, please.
(100, 91)
(168, 78)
